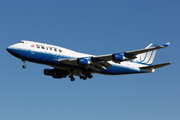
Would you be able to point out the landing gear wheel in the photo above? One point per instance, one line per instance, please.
(72, 79)
(84, 78)
(81, 77)
(70, 76)
(24, 66)
(90, 76)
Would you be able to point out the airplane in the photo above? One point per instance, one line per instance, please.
(65, 62)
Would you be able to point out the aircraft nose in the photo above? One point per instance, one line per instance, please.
(8, 49)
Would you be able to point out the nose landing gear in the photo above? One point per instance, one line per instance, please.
(24, 64)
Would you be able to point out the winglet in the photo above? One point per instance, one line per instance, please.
(166, 45)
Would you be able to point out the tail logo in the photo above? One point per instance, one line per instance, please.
(147, 58)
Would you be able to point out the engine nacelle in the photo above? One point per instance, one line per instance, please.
(55, 73)
(48, 71)
(83, 61)
(119, 57)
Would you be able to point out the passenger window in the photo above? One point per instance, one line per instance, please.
(42, 47)
(50, 48)
(55, 49)
(60, 50)
(46, 48)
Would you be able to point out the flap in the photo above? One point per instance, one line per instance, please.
(69, 61)
(103, 57)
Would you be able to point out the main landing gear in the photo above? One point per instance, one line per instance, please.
(24, 64)
(84, 77)
(72, 77)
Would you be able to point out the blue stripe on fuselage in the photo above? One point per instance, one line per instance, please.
(118, 70)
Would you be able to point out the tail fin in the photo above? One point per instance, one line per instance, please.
(148, 57)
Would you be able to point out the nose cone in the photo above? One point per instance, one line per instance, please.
(9, 49)
(14, 50)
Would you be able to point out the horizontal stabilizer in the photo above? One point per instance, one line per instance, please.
(155, 66)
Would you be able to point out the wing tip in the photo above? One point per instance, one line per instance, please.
(166, 45)
(170, 63)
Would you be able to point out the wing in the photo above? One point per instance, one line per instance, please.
(128, 55)
(98, 63)
(69, 61)
(135, 52)
(88, 63)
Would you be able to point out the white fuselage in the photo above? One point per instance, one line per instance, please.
(49, 55)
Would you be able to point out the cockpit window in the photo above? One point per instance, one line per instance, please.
(21, 42)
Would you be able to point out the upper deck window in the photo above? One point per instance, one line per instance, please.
(38, 46)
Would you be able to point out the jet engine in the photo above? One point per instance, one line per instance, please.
(48, 71)
(83, 61)
(119, 57)
(56, 73)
